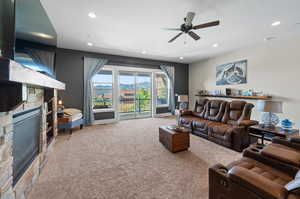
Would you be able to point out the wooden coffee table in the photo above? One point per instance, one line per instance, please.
(174, 141)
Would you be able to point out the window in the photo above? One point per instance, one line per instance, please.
(162, 89)
(103, 90)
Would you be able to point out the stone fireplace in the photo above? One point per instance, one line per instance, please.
(18, 175)
(23, 89)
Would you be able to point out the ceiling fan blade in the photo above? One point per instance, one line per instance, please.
(172, 29)
(206, 25)
(175, 37)
(194, 35)
(189, 18)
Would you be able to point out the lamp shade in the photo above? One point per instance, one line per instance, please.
(60, 102)
(269, 106)
(183, 98)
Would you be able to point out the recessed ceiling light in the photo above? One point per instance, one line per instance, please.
(144, 52)
(276, 23)
(181, 58)
(92, 15)
(216, 45)
(269, 38)
(90, 44)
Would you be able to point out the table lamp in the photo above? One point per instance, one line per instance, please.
(269, 108)
(183, 100)
(60, 108)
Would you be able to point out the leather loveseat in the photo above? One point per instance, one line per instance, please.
(255, 176)
(220, 121)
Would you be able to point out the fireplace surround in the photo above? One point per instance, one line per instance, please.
(27, 127)
(16, 181)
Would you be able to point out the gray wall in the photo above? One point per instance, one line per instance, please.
(69, 69)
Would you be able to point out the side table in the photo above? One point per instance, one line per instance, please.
(259, 132)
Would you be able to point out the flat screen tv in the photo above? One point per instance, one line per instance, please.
(36, 38)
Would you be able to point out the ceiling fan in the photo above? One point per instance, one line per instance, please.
(187, 27)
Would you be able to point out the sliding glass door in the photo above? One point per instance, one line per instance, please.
(135, 95)
(143, 95)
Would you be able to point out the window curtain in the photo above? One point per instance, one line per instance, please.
(170, 71)
(43, 58)
(91, 67)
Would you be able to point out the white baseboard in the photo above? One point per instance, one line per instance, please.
(108, 121)
(163, 115)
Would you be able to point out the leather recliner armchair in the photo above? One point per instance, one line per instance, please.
(222, 122)
(253, 177)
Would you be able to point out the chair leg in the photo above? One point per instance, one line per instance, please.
(81, 126)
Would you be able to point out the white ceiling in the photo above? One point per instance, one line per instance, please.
(128, 27)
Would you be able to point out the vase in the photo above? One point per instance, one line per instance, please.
(270, 119)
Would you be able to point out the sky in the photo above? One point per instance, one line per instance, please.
(124, 79)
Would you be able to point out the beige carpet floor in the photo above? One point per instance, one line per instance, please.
(125, 160)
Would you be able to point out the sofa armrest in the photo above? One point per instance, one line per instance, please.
(247, 123)
(239, 138)
(220, 169)
(218, 180)
(257, 183)
(293, 141)
(185, 112)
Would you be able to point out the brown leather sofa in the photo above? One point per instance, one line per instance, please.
(222, 122)
(254, 177)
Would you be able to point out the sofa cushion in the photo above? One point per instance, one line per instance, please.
(215, 110)
(282, 153)
(201, 125)
(295, 139)
(233, 112)
(293, 196)
(236, 109)
(186, 120)
(199, 109)
(263, 170)
(220, 131)
(259, 184)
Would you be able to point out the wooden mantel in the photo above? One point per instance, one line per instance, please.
(14, 79)
(11, 71)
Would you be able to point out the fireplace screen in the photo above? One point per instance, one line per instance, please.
(27, 127)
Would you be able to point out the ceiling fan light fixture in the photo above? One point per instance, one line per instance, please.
(144, 52)
(187, 27)
(90, 44)
(92, 15)
(181, 58)
(216, 45)
(276, 23)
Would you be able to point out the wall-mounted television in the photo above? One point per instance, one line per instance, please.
(36, 38)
